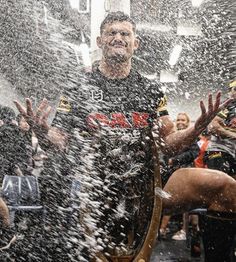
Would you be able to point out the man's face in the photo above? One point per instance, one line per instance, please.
(118, 41)
(181, 122)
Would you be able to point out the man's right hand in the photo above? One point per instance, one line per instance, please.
(208, 115)
(38, 119)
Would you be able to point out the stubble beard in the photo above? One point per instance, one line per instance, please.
(117, 59)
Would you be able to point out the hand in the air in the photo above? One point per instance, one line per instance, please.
(37, 120)
(213, 108)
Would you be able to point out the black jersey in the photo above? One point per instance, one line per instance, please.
(128, 103)
(15, 150)
(225, 144)
(229, 116)
(109, 122)
(124, 109)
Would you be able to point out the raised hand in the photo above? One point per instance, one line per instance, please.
(38, 119)
(213, 108)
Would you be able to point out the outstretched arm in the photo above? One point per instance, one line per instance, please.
(173, 142)
(38, 121)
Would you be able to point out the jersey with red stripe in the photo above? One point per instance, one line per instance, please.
(122, 111)
(109, 122)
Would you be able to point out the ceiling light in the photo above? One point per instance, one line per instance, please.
(81, 5)
(167, 76)
(175, 54)
(74, 4)
(197, 3)
(154, 27)
(188, 29)
(84, 49)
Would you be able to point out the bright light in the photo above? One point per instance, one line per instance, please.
(167, 76)
(45, 15)
(156, 27)
(175, 54)
(84, 49)
(81, 51)
(151, 77)
(197, 3)
(85, 52)
(81, 6)
(187, 29)
(74, 4)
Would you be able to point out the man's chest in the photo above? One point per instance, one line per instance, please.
(114, 107)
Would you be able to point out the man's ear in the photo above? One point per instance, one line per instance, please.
(99, 41)
(136, 43)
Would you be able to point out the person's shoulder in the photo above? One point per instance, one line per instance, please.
(78, 86)
(149, 84)
(232, 105)
(153, 87)
(94, 75)
(153, 92)
(225, 111)
(137, 75)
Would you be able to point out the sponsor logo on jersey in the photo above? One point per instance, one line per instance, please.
(138, 120)
(215, 155)
(64, 105)
(223, 113)
(232, 84)
(94, 95)
(162, 106)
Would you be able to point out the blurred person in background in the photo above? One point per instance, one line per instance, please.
(15, 145)
(38, 155)
(15, 160)
(221, 151)
(195, 236)
(203, 142)
(218, 235)
(169, 165)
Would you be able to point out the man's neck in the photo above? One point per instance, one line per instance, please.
(115, 70)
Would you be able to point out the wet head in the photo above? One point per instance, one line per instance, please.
(117, 40)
